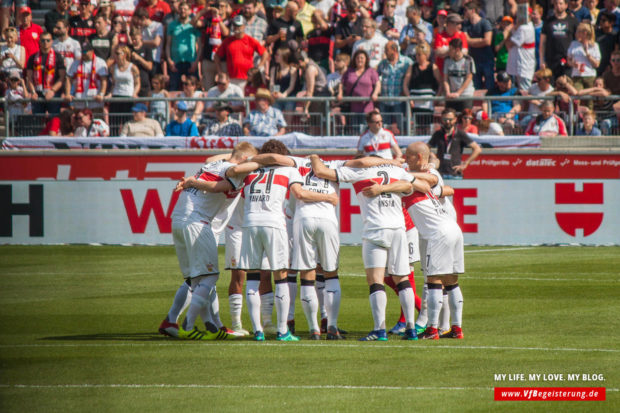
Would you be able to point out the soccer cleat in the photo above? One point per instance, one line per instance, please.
(291, 326)
(314, 335)
(323, 325)
(259, 336)
(399, 328)
(196, 334)
(419, 329)
(240, 331)
(410, 334)
(375, 335)
(169, 329)
(454, 332)
(230, 332)
(429, 334)
(286, 337)
(334, 334)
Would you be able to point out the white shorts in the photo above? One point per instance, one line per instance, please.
(314, 237)
(257, 241)
(196, 248)
(423, 243)
(233, 247)
(444, 252)
(289, 232)
(387, 248)
(414, 245)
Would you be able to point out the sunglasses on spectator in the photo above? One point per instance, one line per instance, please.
(615, 60)
(468, 117)
(447, 119)
(221, 83)
(46, 40)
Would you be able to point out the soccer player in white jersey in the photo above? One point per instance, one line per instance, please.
(444, 259)
(195, 242)
(384, 240)
(377, 140)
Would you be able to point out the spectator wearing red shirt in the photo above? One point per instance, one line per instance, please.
(157, 9)
(442, 39)
(29, 32)
(238, 50)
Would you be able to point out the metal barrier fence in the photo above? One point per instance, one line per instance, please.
(328, 123)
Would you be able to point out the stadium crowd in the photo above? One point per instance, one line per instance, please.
(97, 49)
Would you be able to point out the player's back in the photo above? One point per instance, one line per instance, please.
(428, 214)
(315, 184)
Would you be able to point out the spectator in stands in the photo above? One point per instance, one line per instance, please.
(102, 39)
(360, 80)
(265, 120)
(182, 45)
(450, 143)
(588, 128)
(286, 28)
(152, 37)
(15, 92)
(392, 71)
(142, 58)
(486, 126)
(255, 25)
(214, 29)
(320, 42)
(440, 22)
(104, 10)
(606, 39)
(557, 34)
(466, 122)
(60, 125)
(521, 45)
(159, 108)
(442, 39)
(423, 80)
(226, 91)
(537, 22)
(501, 36)
(125, 79)
(61, 12)
(45, 76)
(66, 46)
(256, 81)
(238, 51)
(157, 9)
(222, 125)
(181, 125)
(547, 124)
(584, 56)
(12, 55)
(458, 73)
(350, 29)
(314, 83)
(504, 111)
(120, 32)
(29, 32)
(591, 5)
(87, 127)
(541, 87)
(341, 64)
(283, 78)
(415, 32)
(479, 32)
(87, 78)
(580, 12)
(82, 26)
(141, 126)
(373, 43)
(611, 79)
(191, 90)
(389, 23)
(304, 16)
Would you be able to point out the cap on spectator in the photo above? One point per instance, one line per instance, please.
(421, 27)
(25, 10)
(503, 77)
(14, 76)
(442, 12)
(181, 105)
(223, 106)
(263, 93)
(507, 19)
(454, 18)
(428, 3)
(481, 115)
(139, 107)
(87, 47)
(238, 20)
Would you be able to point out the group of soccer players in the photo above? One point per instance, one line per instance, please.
(277, 214)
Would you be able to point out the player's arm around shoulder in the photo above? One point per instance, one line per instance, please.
(218, 157)
(241, 170)
(201, 185)
(311, 196)
(266, 159)
(400, 186)
(321, 170)
(370, 161)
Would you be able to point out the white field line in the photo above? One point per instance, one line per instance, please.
(244, 386)
(470, 277)
(500, 249)
(409, 346)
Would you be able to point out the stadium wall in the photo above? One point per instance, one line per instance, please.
(126, 197)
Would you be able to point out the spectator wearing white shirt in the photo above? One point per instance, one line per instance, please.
(584, 56)
(522, 55)
(87, 127)
(87, 78)
(373, 43)
(224, 89)
(152, 36)
(389, 23)
(66, 46)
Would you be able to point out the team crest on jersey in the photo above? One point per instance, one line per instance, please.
(233, 262)
(210, 267)
(35, 35)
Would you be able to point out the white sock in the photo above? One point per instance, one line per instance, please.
(332, 300)
(378, 302)
(320, 293)
(434, 299)
(423, 314)
(253, 300)
(181, 301)
(407, 302)
(266, 307)
(214, 307)
(444, 314)
(235, 303)
(455, 297)
(310, 305)
(282, 303)
(202, 292)
(291, 281)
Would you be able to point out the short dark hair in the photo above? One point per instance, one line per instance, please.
(372, 113)
(141, 12)
(274, 146)
(357, 52)
(447, 111)
(456, 43)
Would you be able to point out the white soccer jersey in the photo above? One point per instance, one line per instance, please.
(312, 183)
(444, 201)
(196, 205)
(385, 210)
(427, 213)
(69, 49)
(379, 144)
(265, 193)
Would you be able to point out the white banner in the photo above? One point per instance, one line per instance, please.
(496, 212)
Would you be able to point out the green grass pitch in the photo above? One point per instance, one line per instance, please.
(79, 333)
